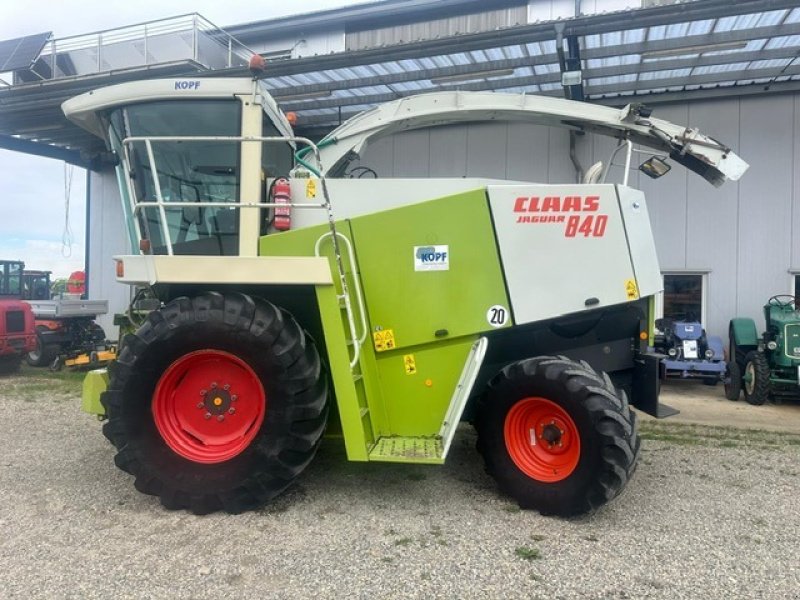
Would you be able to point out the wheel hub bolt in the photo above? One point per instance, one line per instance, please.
(203, 392)
(221, 418)
(213, 385)
(231, 410)
(208, 415)
(551, 434)
(200, 405)
(226, 387)
(234, 398)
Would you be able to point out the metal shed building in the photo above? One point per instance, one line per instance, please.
(731, 69)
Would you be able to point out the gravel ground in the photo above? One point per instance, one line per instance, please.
(711, 513)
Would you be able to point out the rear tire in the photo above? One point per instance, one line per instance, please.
(756, 389)
(43, 355)
(733, 381)
(208, 342)
(557, 477)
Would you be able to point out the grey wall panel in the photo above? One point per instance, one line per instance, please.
(412, 151)
(712, 218)
(487, 144)
(448, 152)
(560, 168)
(795, 259)
(379, 156)
(528, 152)
(107, 238)
(764, 247)
(666, 201)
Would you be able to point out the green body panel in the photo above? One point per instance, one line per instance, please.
(415, 305)
(416, 402)
(392, 406)
(94, 384)
(744, 332)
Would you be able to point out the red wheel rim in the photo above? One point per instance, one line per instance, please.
(542, 439)
(208, 406)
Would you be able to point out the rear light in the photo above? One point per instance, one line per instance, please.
(643, 335)
(120, 269)
(672, 352)
(709, 354)
(772, 345)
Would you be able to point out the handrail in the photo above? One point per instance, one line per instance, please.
(358, 340)
(162, 205)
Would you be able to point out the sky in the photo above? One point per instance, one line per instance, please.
(32, 189)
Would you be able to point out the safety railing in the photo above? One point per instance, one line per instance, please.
(161, 205)
(183, 38)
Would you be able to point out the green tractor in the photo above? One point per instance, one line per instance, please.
(768, 364)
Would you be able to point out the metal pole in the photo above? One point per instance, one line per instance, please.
(162, 213)
(99, 48)
(194, 36)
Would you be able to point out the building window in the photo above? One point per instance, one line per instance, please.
(683, 298)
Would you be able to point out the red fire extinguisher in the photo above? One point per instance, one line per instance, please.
(281, 196)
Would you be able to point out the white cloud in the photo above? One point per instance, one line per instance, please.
(43, 255)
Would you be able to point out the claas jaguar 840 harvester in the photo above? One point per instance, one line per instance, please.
(295, 299)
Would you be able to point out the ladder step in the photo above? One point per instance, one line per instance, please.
(408, 449)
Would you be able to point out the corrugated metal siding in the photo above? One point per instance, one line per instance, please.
(108, 237)
(429, 30)
(765, 236)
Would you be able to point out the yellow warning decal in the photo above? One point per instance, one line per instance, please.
(409, 364)
(311, 188)
(631, 290)
(384, 340)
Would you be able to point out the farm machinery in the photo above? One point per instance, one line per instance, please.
(766, 365)
(17, 333)
(292, 299)
(66, 331)
(690, 352)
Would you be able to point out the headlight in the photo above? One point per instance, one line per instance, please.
(672, 352)
(772, 345)
(709, 354)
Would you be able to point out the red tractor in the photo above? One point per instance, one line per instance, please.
(17, 329)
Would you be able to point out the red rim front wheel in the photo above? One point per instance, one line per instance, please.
(542, 439)
(208, 406)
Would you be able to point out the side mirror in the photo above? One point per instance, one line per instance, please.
(655, 167)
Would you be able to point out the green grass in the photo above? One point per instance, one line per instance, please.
(528, 553)
(682, 434)
(403, 541)
(33, 384)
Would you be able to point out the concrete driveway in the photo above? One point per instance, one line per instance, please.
(706, 405)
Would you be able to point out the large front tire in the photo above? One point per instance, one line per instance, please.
(557, 436)
(756, 378)
(216, 403)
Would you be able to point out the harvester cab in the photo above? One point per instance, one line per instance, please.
(286, 287)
